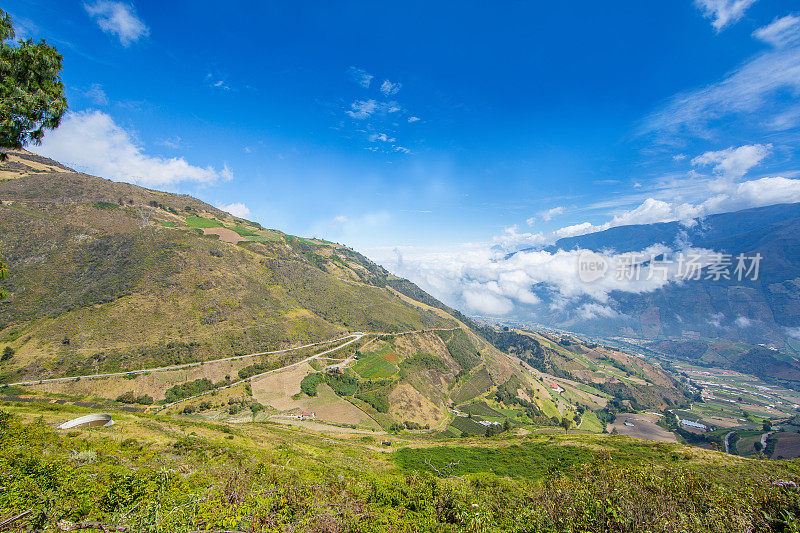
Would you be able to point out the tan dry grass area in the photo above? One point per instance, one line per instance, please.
(408, 404)
(154, 384)
(276, 391)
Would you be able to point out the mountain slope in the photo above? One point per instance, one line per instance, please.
(147, 276)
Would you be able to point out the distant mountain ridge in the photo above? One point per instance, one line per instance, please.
(764, 311)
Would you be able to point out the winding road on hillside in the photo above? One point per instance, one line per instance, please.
(353, 336)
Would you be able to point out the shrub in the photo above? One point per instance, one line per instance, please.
(187, 390)
(310, 382)
(8, 353)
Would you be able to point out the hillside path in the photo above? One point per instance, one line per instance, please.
(353, 336)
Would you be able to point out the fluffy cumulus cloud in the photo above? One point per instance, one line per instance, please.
(118, 18)
(482, 279)
(734, 163)
(92, 142)
(721, 192)
(237, 209)
(723, 12)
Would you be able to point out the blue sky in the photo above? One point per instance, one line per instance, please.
(421, 133)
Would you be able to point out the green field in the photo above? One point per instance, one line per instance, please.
(475, 385)
(466, 425)
(374, 365)
(482, 410)
(201, 222)
(529, 461)
(590, 422)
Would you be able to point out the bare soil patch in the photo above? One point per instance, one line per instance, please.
(644, 427)
(225, 234)
(787, 447)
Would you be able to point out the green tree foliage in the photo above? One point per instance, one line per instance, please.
(31, 92)
(3, 274)
(8, 353)
(187, 390)
(130, 397)
(310, 382)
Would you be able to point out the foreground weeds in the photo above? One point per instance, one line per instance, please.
(197, 485)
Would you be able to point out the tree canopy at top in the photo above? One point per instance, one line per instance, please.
(31, 91)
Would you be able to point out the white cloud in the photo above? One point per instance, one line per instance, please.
(551, 213)
(546, 215)
(511, 239)
(720, 194)
(754, 88)
(118, 18)
(577, 229)
(360, 76)
(413, 119)
(679, 157)
(382, 137)
(716, 320)
(591, 311)
(723, 12)
(237, 209)
(388, 88)
(217, 82)
(734, 163)
(743, 322)
(92, 142)
(340, 219)
(362, 109)
(173, 142)
(402, 149)
(487, 302)
(481, 279)
(97, 95)
(780, 32)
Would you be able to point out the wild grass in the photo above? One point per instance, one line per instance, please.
(170, 475)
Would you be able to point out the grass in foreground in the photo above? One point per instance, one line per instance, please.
(207, 477)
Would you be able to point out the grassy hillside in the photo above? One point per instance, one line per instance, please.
(109, 276)
(150, 473)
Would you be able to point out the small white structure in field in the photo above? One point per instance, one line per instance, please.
(88, 421)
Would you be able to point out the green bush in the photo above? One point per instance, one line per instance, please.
(8, 353)
(310, 382)
(187, 390)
